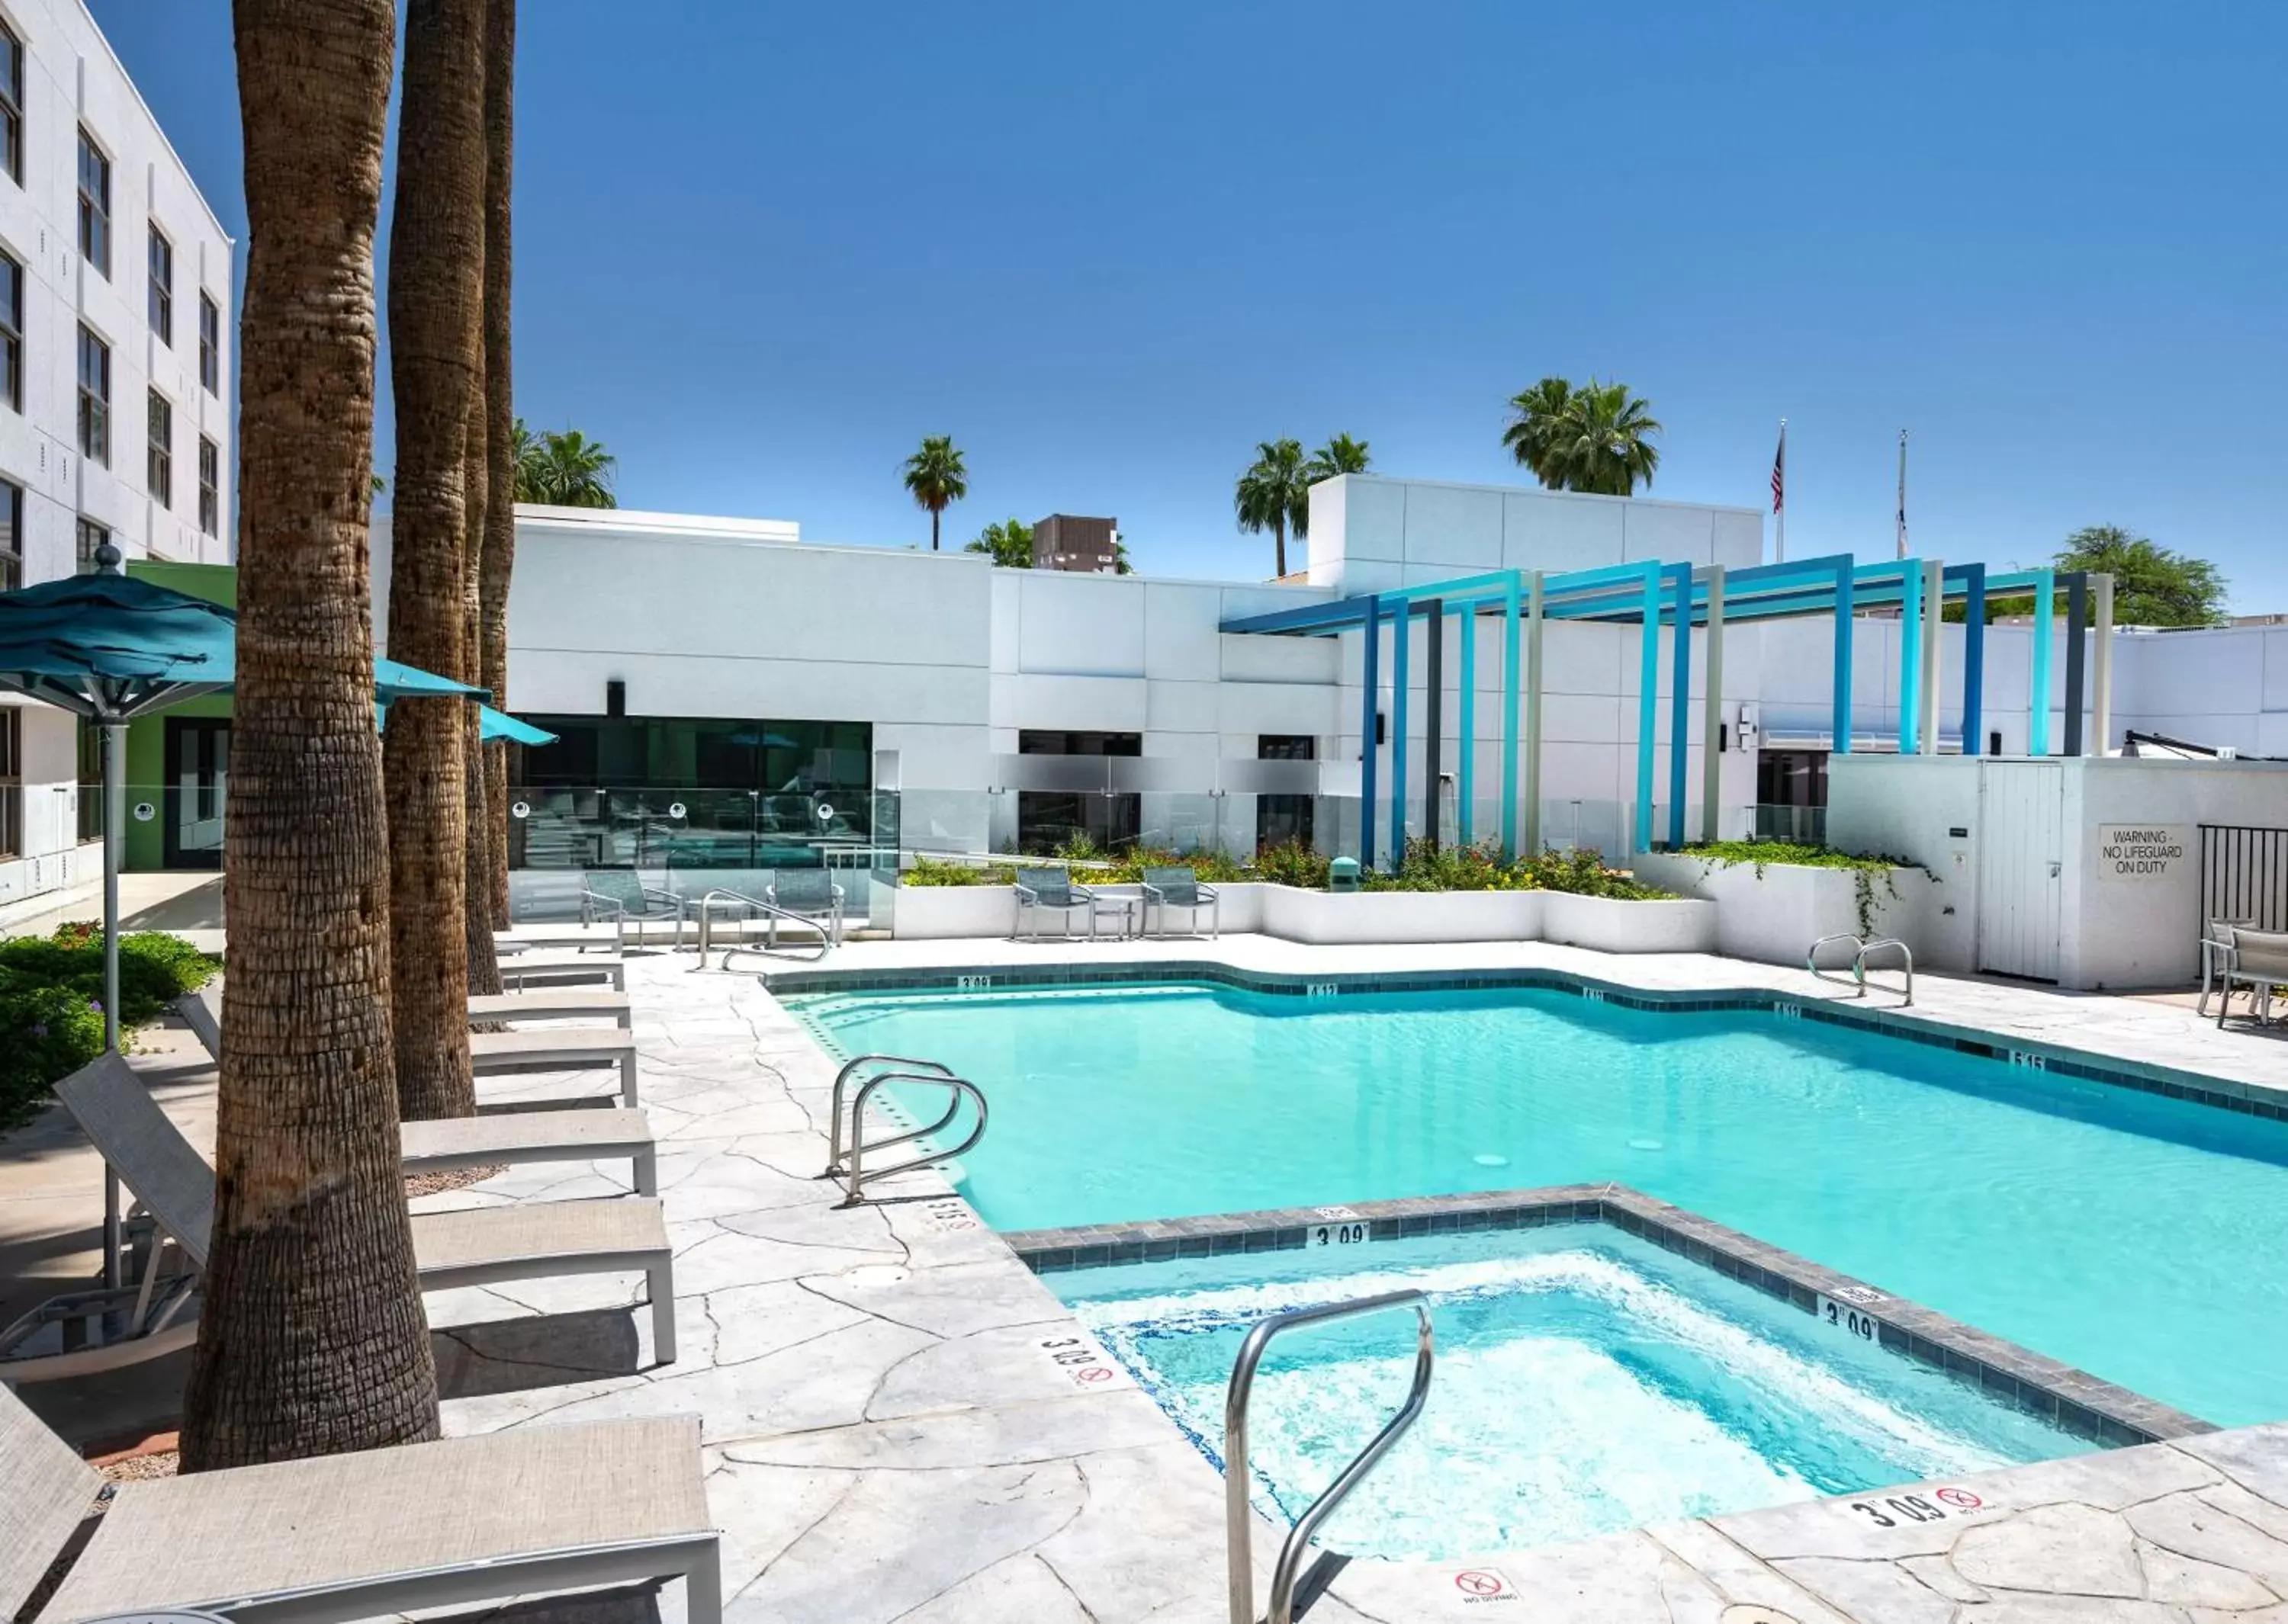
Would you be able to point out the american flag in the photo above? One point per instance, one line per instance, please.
(1779, 473)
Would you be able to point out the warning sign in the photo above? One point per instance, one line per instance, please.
(2140, 851)
(1482, 1584)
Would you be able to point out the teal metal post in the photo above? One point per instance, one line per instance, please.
(1840, 726)
(1466, 770)
(1647, 703)
(1509, 719)
(1536, 616)
(1911, 658)
(1371, 680)
(1402, 621)
(2038, 733)
(1680, 707)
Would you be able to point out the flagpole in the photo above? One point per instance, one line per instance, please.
(1779, 492)
(1903, 492)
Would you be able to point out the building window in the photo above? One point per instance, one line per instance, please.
(159, 452)
(209, 345)
(92, 539)
(162, 287)
(210, 486)
(12, 782)
(12, 333)
(94, 205)
(1063, 741)
(11, 104)
(11, 536)
(94, 397)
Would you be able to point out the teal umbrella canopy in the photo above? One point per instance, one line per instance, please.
(114, 647)
(491, 725)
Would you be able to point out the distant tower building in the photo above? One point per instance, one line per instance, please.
(1088, 546)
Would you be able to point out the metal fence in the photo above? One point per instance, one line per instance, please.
(2244, 875)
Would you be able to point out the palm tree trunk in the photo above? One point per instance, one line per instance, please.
(935, 514)
(477, 891)
(436, 278)
(500, 428)
(1279, 545)
(311, 1339)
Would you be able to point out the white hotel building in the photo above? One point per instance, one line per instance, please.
(114, 372)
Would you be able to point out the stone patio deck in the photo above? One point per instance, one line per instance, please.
(890, 1435)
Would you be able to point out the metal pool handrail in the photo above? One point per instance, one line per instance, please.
(854, 1172)
(769, 910)
(1906, 959)
(1238, 1529)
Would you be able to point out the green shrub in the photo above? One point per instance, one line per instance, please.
(1582, 871)
(936, 871)
(51, 1002)
(1424, 867)
(1290, 862)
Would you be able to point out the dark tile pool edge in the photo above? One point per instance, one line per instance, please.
(2198, 1087)
(2078, 1402)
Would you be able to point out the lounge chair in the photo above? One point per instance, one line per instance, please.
(578, 1003)
(1043, 889)
(1167, 888)
(620, 898)
(2257, 960)
(812, 894)
(332, 1538)
(491, 1054)
(174, 1189)
(2216, 942)
(556, 967)
(531, 940)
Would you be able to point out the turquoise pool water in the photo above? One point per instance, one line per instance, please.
(1587, 1382)
(2137, 1237)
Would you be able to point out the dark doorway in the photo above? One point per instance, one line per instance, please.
(1282, 819)
(197, 791)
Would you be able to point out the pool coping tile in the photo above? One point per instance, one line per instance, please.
(2078, 1402)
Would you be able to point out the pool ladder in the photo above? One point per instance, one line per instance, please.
(1238, 1524)
(851, 1168)
(1860, 950)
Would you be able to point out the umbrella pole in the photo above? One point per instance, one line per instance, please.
(115, 817)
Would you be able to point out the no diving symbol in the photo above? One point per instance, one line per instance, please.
(1094, 1373)
(1961, 1500)
(1477, 1582)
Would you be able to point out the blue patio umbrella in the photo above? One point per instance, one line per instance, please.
(491, 725)
(111, 648)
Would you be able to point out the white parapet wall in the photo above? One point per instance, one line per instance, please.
(1773, 914)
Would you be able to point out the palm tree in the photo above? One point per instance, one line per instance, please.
(503, 430)
(1603, 442)
(436, 334)
(576, 472)
(1534, 416)
(526, 460)
(937, 477)
(1008, 542)
(1597, 437)
(1339, 456)
(1274, 495)
(312, 1338)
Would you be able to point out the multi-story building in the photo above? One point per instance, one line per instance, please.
(115, 373)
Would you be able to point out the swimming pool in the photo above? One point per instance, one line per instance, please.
(1587, 1382)
(2133, 1235)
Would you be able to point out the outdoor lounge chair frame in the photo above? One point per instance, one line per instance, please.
(134, 1557)
(807, 901)
(173, 1187)
(1166, 888)
(652, 904)
(1041, 889)
(2257, 960)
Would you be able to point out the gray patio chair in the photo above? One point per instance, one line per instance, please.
(443, 1525)
(544, 967)
(1167, 888)
(2257, 960)
(2216, 941)
(620, 898)
(491, 1054)
(1043, 889)
(809, 892)
(173, 1188)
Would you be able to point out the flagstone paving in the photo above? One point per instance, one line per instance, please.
(885, 1437)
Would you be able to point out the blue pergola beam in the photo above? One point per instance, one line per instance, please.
(2038, 733)
(1511, 607)
(1647, 700)
(1680, 705)
(1466, 770)
(1369, 680)
(1973, 577)
(1839, 723)
(1911, 661)
(1402, 621)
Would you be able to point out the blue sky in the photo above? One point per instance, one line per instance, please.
(763, 249)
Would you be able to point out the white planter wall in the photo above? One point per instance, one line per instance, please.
(1676, 924)
(1326, 919)
(1775, 917)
